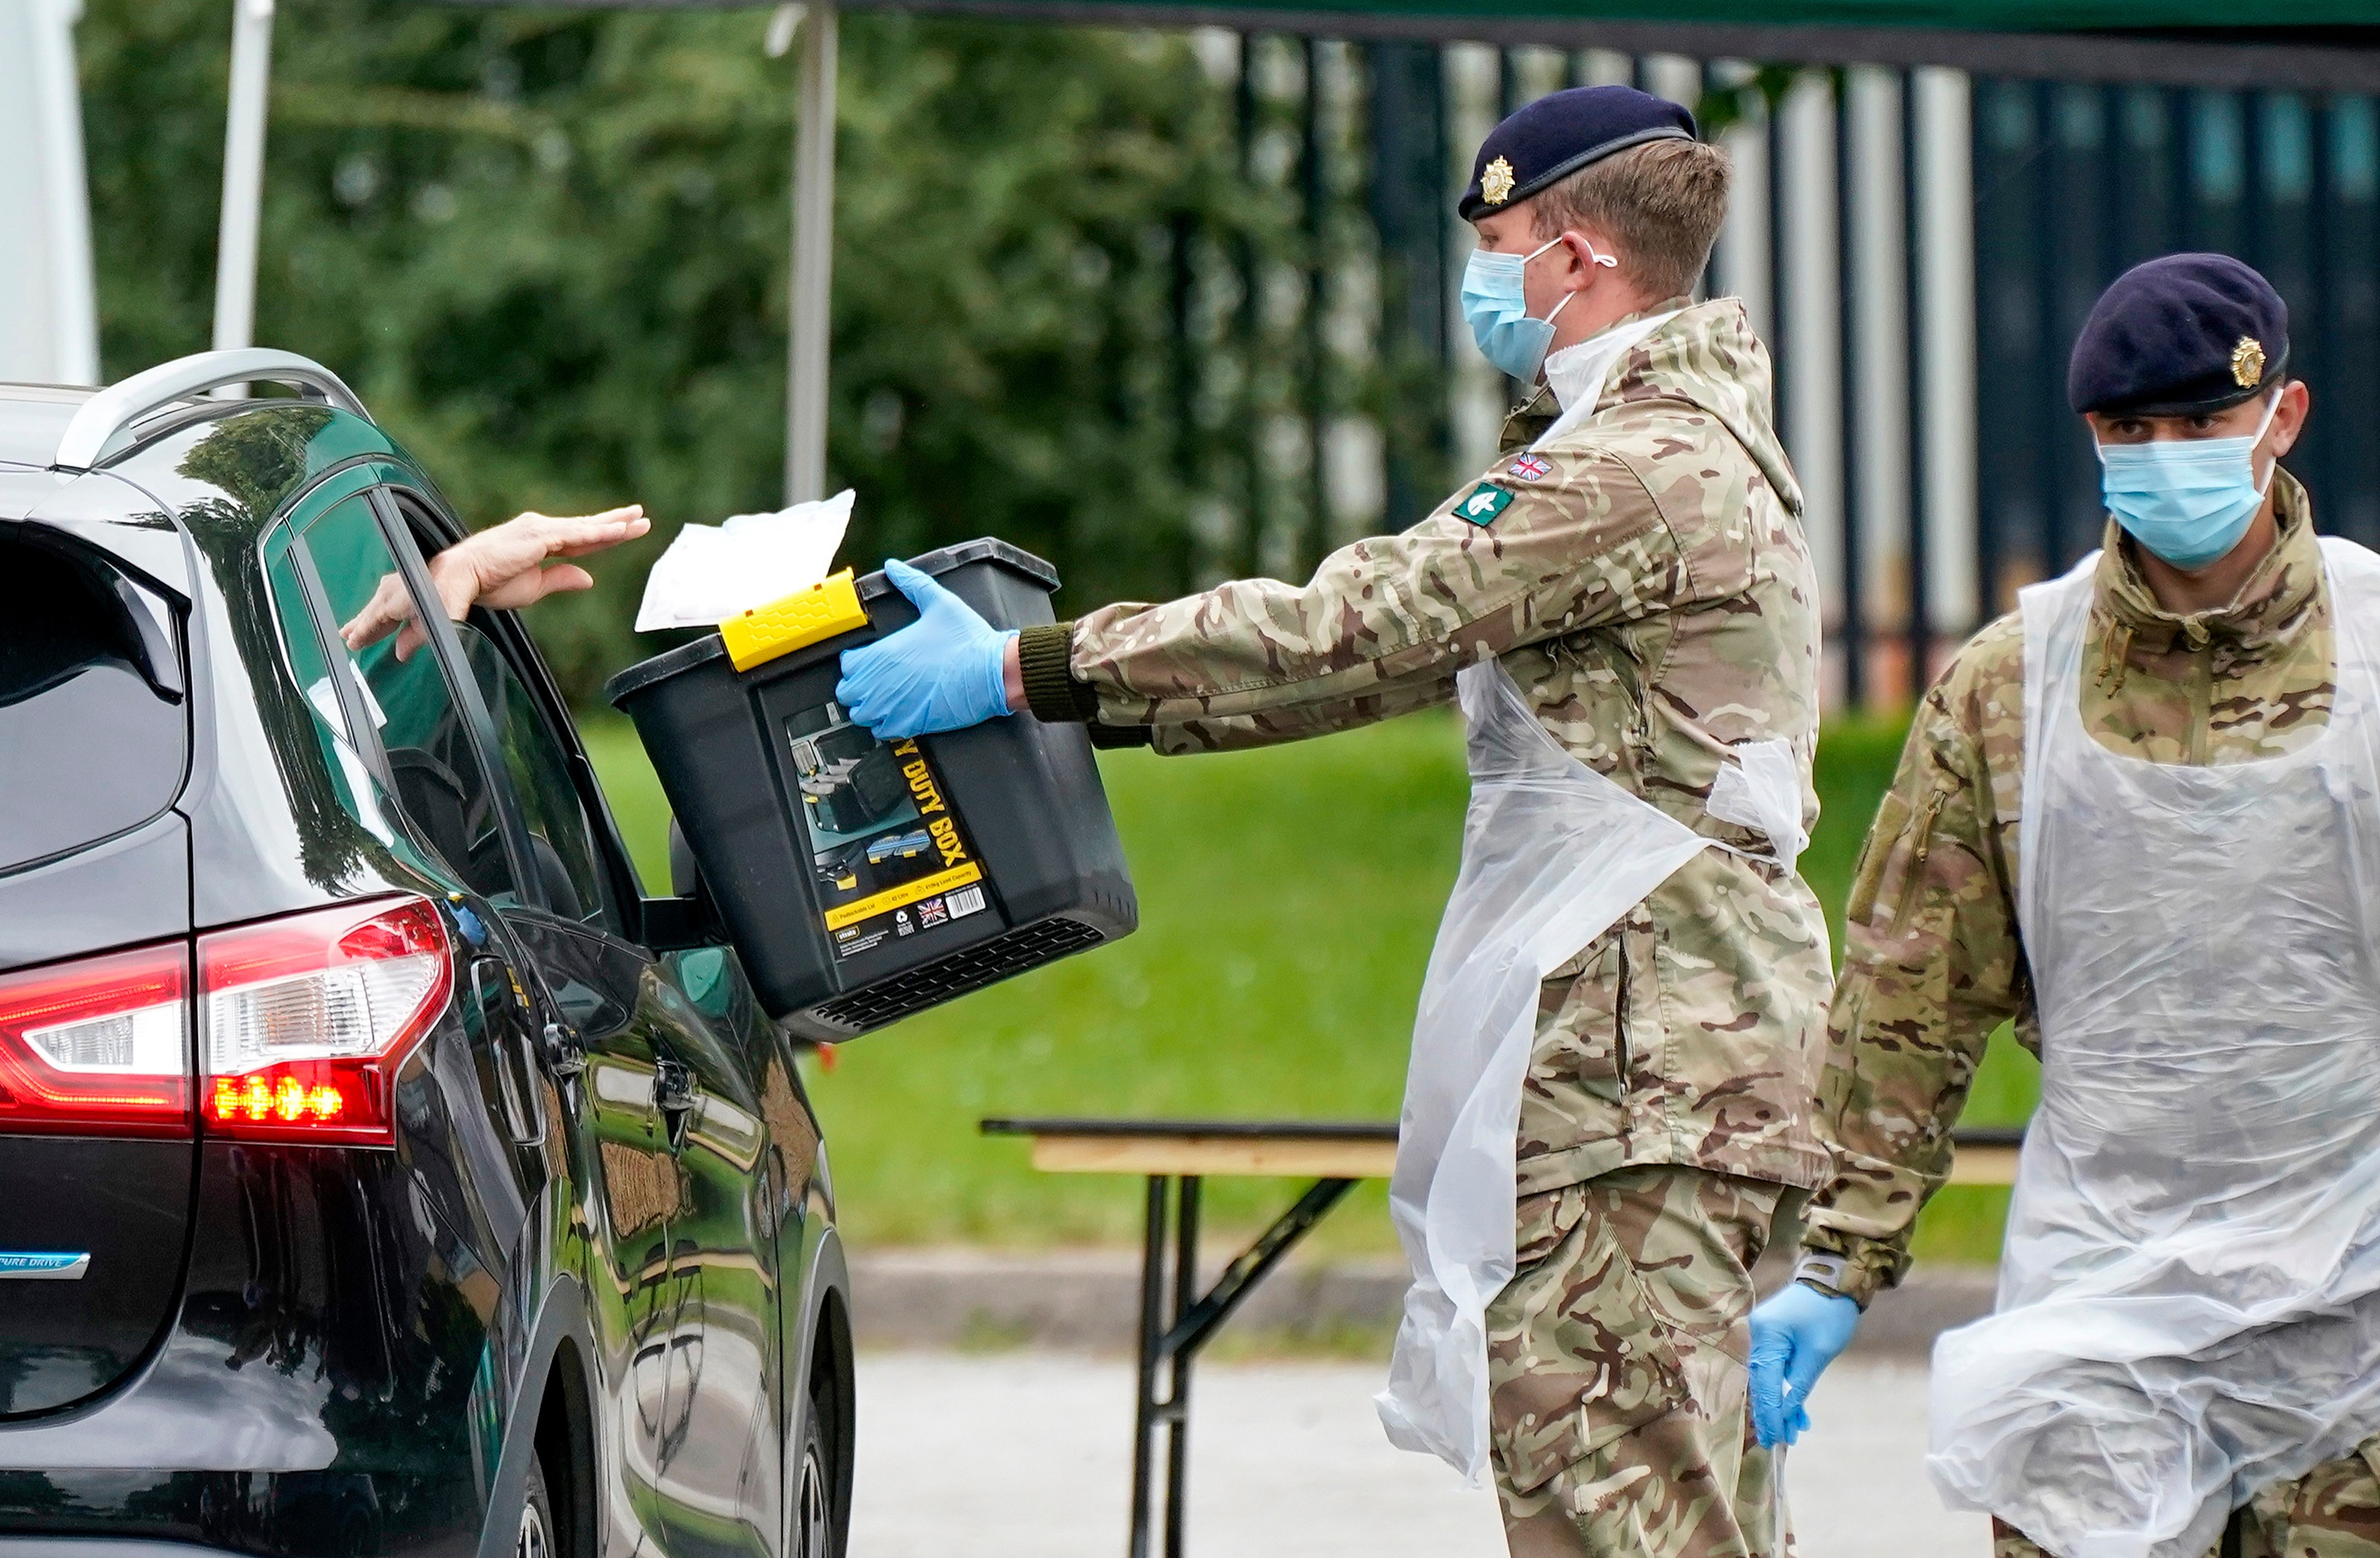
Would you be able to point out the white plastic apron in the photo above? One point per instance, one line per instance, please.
(2189, 1297)
(1553, 854)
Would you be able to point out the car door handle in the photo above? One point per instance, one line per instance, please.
(674, 1086)
(674, 1094)
(566, 1052)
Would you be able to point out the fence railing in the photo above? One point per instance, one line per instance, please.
(1917, 246)
(1850, 238)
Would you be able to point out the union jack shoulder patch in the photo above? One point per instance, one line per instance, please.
(1529, 467)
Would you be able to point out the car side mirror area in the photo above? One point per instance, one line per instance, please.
(686, 918)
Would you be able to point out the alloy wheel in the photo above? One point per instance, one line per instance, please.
(812, 1515)
(533, 1540)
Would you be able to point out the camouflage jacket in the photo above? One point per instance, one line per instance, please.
(1644, 579)
(1934, 962)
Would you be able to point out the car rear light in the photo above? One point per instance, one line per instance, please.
(305, 1020)
(97, 1047)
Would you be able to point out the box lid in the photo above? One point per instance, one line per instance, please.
(875, 586)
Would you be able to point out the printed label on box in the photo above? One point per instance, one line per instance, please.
(887, 850)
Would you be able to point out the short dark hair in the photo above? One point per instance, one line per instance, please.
(1661, 203)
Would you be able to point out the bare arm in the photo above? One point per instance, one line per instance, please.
(503, 567)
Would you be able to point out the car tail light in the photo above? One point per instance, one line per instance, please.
(97, 1047)
(304, 1021)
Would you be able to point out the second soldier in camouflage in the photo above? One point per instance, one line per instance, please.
(1935, 961)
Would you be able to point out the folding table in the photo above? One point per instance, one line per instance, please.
(1176, 1156)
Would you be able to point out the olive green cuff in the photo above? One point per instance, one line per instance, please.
(1046, 655)
(1857, 1269)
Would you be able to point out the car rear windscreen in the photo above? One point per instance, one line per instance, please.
(91, 732)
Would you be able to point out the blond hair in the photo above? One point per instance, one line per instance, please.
(1661, 203)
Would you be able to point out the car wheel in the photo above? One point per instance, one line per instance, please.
(535, 1538)
(814, 1532)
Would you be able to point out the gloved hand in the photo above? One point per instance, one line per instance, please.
(1794, 1336)
(945, 671)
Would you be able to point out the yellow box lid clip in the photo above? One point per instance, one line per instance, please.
(804, 618)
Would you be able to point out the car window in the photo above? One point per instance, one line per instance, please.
(569, 863)
(431, 765)
(351, 774)
(90, 745)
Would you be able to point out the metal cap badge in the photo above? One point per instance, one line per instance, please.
(2248, 362)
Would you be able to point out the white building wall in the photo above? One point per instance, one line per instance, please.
(49, 326)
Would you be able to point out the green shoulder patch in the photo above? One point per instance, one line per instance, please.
(1487, 501)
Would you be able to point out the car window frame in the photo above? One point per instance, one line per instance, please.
(356, 732)
(528, 885)
(361, 734)
(309, 509)
(511, 639)
(545, 783)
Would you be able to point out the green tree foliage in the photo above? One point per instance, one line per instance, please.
(550, 250)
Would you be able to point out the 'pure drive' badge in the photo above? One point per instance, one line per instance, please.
(43, 1265)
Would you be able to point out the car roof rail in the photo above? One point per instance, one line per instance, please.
(102, 426)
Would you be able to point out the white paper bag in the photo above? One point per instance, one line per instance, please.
(711, 572)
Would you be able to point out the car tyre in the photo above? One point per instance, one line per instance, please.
(817, 1530)
(536, 1536)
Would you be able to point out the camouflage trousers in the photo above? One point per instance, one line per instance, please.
(1617, 1405)
(2331, 1512)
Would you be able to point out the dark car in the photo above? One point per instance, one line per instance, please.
(383, 1171)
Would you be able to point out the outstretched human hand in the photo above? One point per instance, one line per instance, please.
(503, 568)
(945, 671)
(1794, 1335)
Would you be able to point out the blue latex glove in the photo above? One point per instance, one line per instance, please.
(1794, 1336)
(943, 672)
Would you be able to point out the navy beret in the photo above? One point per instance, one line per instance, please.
(2179, 335)
(1560, 133)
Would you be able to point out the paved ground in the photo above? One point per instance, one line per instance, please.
(1026, 1455)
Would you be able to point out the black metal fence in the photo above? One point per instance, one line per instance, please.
(1851, 247)
(1917, 246)
(2073, 183)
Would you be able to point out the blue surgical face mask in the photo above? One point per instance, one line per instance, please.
(1496, 306)
(2188, 500)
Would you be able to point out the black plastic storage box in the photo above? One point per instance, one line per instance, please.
(862, 881)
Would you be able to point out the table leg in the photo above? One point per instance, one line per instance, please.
(1190, 1332)
(1174, 1339)
(1177, 1403)
(1152, 1335)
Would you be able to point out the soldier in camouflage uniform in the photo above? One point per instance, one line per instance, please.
(1934, 961)
(1643, 576)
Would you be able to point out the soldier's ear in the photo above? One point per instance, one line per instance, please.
(1591, 255)
(2289, 416)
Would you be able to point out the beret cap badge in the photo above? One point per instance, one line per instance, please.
(2248, 362)
(2179, 335)
(1496, 182)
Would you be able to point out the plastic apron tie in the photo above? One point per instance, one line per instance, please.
(2189, 1296)
(1553, 855)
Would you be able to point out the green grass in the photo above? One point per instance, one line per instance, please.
(1288, 899)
